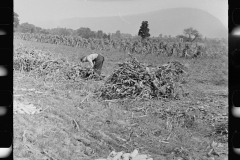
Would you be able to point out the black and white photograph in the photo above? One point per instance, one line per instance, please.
(120, 79)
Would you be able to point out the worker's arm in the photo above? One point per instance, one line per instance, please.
(89, 59)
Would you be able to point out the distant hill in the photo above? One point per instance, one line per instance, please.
(165, 21)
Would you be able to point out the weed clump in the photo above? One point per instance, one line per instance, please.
(133, 79)
(26, 59)
(220, 131)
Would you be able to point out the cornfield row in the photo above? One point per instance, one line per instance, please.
(150, 46)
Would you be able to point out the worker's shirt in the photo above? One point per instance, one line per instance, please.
(92, 57)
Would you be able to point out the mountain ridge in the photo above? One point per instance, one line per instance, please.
(165, 21)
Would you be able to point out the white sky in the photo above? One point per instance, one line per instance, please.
(33, 11)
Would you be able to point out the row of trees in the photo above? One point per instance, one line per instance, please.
(83, 32)
(189, 34)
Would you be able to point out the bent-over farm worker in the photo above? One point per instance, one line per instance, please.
(96, 61)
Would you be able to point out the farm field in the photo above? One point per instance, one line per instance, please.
(154, 46)
(72, 123)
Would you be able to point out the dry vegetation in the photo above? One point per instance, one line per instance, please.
(59, 115)
(156, 46)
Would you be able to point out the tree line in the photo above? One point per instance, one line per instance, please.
(189, 34)
(83, 32)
